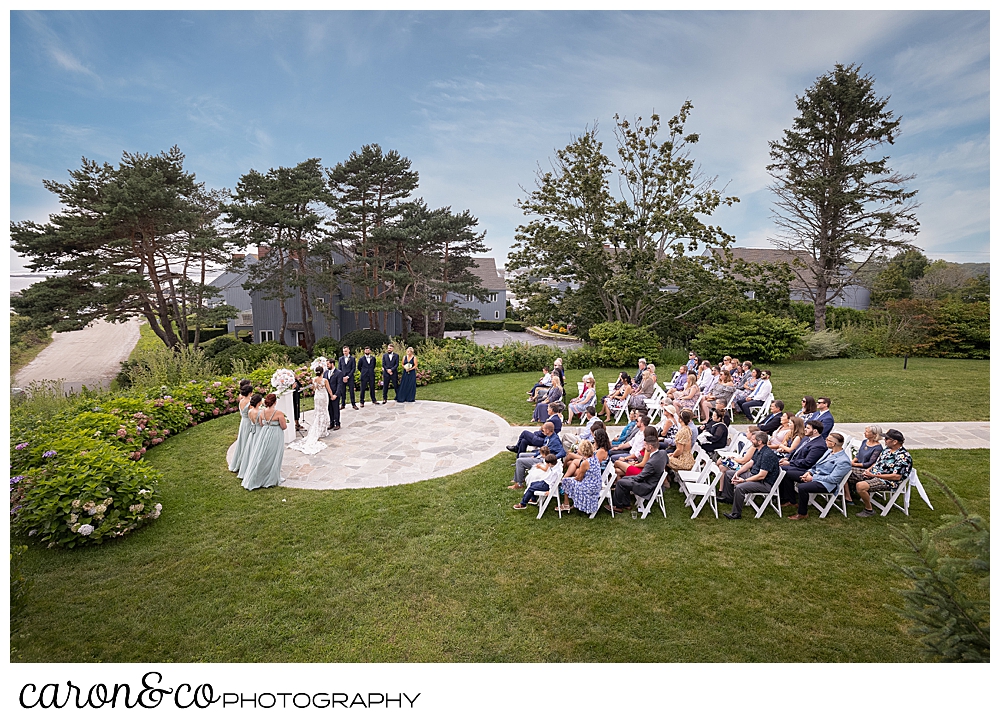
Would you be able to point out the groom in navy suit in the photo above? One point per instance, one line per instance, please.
(337, 387)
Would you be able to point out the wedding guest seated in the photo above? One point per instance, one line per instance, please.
(748, 383)
(825, 475)
(808, 409)
(535, 479)
(642, 370)
(868, 452)
(553, 395)
(529, 438)
(644, 483)
(590, 418)
(602, 447)
(629, 430)
(759, 396)
(579, 404)
(771, 422)
(787, 438)
(716, 431)
(823, 414)
(638, 398)
(632, 465)
(892, 467)
(722, 391)
(693, 360)
(632, 448)
(688, 399)
(584, 485)
(621, 393)
(669, 428)
(757, 475)
(681, 458)
(679, 383)
(545, 381)
(802, 459)
(557, 370)
(526, 460)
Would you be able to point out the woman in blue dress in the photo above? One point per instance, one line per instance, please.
(408, 381)
(252, 437)
(269, 448)
(243, 436)
(585, 486)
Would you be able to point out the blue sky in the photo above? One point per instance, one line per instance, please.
(477, 100)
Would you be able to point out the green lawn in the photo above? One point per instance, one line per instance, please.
(445, 570)
(862, 390)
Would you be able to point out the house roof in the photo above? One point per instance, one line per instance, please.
(769, 256)
(228, 279)
(486, 269)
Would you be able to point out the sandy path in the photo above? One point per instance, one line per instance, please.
(91, 356)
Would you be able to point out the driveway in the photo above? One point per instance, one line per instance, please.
(91, 356)
(499, 338)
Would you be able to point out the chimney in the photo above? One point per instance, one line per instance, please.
(262, 251)
(239, 257)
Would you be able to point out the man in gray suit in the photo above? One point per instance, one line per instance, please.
(644, 483)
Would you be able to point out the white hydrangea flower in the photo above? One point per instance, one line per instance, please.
(85, 529)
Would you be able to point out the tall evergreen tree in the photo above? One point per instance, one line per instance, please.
(838, 202)
(369, 191)
(121, 246)
(283, 210)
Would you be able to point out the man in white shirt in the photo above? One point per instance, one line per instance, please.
(586, 431)
(760, 395)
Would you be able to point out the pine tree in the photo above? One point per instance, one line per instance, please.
(837, 204)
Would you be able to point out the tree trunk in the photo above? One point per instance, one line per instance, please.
(819, 305)
(201, 291)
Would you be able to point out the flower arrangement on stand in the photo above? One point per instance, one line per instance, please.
(283, 380)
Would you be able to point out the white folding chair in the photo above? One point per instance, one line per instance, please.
(653, 403)
(704, 488)
(579, 388)
(833, 500)
(760, 414)
(885, 501)
(915, 485)
(698, 472)
(607, 479)
(736, 447)
(770, 499)
(553, 478)
(673, 379)
(655, 495)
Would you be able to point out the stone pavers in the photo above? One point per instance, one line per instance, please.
(393, 444)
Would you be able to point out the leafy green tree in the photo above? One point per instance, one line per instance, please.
(122, 246)
(895, 280)
(836, 200)
(949, 602)
(588, 256)
(623, 344)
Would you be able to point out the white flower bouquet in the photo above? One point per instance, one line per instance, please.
(319, 361)
(283, 379)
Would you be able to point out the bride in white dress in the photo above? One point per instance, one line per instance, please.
(310, 444)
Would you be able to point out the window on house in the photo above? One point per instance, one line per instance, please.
(493, 298)
(266, 335)
(497, 313)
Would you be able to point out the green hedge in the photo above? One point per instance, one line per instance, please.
(511, 325)
(489, 325)
(206, 334)
(751, 335)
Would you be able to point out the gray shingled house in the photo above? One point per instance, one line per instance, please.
(495, 306)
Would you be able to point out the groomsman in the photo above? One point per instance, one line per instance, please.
(390, 372)
(333, 376)
(346, 366)
(366, 365)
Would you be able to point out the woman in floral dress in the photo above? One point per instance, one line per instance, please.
(585, 486)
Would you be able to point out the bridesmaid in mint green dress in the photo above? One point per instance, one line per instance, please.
(252, 437)
(243, 436)
(269, 449)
